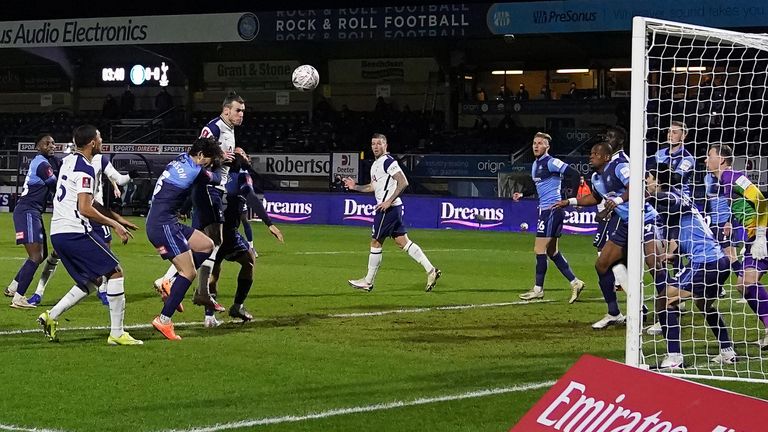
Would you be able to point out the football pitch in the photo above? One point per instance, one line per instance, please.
(468, 356)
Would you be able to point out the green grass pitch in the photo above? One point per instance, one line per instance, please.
(316, 347)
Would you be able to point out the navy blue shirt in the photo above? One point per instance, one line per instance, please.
(696, 239)
(173, 188)
(547, 173)
(39, 184)
(240, 192)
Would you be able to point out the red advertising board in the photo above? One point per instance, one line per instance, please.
(598, 395)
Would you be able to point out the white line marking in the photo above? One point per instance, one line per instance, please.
(12, 258)
(361, 251)
(419, 310)
(365, 408)
(344, 315)
(23, 429)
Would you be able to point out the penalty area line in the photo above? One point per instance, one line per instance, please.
(343, 315)
(367, 408)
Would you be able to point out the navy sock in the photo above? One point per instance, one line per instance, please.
(248, 231)
(25, 275)
(716, 324)
(736, 266)
(178, 290)
(243, 288)
(607, 283)
(199, 258)
(670, 328)
(660, 281)
(563, 266)
(541, 269)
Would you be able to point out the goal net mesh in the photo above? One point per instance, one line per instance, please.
(704, 87)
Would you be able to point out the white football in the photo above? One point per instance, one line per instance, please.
(305, 78)
(523, 226)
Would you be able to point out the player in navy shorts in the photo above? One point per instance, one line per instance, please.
(547, 173)
(28, 221)
(184, 246)
(387, 183)
(234, 246)
(84, 255)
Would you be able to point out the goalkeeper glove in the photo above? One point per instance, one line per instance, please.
(759, 248)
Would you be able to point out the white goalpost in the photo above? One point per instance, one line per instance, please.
(711, 87)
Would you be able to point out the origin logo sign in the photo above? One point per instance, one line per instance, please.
(473, 217)
(288, 211)
(360, 212)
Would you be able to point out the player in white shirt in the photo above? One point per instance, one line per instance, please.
(102, 166)
(387, 183)
(85, 255)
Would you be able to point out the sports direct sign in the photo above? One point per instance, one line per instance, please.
(605, 396)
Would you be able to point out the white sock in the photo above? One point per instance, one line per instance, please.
(537, 288)
(204, 272)
(116, 297)
(621, 275)
(49, 268)
(170, 273)
(70, 299)
(418, 255)
(213, 254)
(374, 261)
(13, 286)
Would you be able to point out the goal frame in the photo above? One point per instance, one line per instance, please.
(638, 145)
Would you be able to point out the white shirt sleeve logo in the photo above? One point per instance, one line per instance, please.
(743, 182)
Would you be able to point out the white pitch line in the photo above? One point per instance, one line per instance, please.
(419, 310)
(365, 408)
(344, 315)
(360, 251)
(5, 427)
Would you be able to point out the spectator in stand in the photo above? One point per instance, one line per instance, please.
(127, 102)
(382, 108)
(503, 93)
(481, 123)
(572, 90)
(323, 110)
(544, 92)
(522, 94)
(480, 96)
(507, 124)
(163, 101)
(110, 110)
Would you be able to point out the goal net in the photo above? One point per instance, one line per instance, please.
(698, 125)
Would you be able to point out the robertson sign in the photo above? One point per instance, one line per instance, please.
(598, 395)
